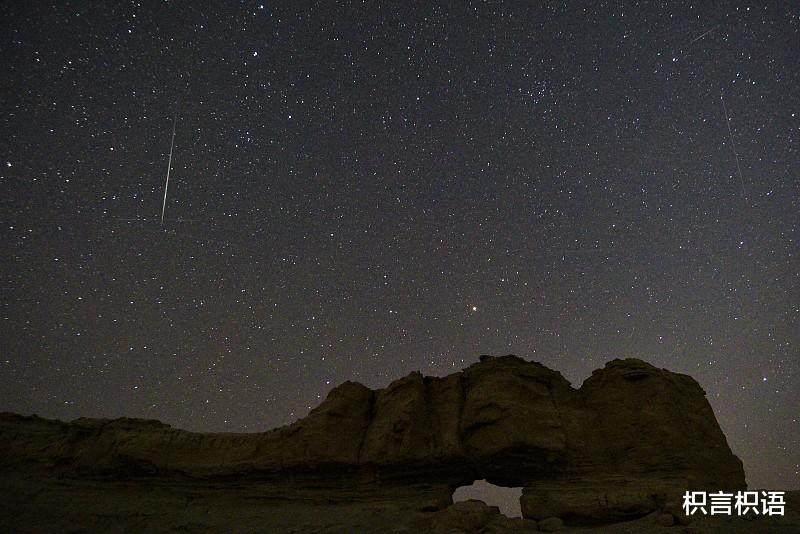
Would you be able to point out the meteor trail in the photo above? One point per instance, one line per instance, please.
(701, 36)
(169, 166)
(733, 146)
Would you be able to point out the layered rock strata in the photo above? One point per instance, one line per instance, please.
(631, 439)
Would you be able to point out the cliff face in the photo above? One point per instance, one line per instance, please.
(630, 439)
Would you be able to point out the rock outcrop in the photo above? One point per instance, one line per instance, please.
(631, 439)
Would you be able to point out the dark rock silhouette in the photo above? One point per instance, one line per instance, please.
(631, 440)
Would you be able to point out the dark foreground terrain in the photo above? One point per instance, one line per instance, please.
(613, 456)
(140, 507)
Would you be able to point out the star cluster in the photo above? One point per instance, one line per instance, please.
(360, 189)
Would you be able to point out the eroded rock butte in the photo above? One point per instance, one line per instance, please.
(630, 440)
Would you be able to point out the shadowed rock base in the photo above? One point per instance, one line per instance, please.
(137, 507)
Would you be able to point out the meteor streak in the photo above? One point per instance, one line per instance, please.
(169, 166)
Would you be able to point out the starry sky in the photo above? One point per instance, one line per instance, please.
(359, 190)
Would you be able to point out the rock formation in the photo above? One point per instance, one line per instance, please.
(630, 440)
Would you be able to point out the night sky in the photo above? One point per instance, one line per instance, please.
(361, 190)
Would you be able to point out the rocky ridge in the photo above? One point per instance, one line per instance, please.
(622, 447)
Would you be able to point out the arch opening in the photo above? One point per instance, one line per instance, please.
(507, 499)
